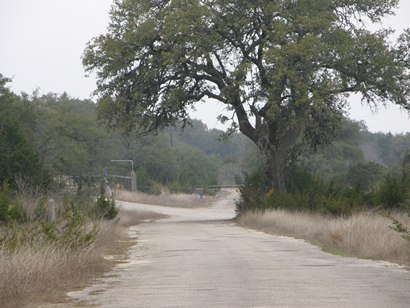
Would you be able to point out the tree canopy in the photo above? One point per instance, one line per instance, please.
(19, 160)
(283, 68)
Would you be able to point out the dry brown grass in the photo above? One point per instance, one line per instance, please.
(364, 235)
(165, 199)
(31, 271)
(44, 273)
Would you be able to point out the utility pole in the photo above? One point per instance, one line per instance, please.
(133, 174)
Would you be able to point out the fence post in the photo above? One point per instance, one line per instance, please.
(108, 191)
(133, 181)
(51, 209)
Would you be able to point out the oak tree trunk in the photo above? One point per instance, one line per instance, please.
(275, 168)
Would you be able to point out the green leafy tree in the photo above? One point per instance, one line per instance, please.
(283, 68)
(19, 159)
(180, 165)
(68, 136)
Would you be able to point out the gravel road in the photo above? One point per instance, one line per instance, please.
(199, 258)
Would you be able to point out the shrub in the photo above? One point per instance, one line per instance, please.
(304, 192)
(10, 209)
(392, 192)
(364, 176)
(253, 193)
(104, 206)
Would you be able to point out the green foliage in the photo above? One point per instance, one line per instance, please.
(365, 187)
(194, 168)
(252, 193)
(60, 136)
(68, 136)
(323, 196)
(177, 166)
(304, 193)
(40, 213)
(394, 190)
(364, 176)
(331, 162)
(71, 230)
(104, 207)
(18, 157)
(10, 209)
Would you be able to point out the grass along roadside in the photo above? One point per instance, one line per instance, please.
(34, 275)
(166, 199)
(364, 235)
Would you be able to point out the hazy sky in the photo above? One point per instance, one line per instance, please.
(42, 42)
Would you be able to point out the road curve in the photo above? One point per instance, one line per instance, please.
(199, 258)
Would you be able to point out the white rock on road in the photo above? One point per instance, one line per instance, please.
(199, 258)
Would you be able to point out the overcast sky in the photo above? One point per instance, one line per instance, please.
(42, 42)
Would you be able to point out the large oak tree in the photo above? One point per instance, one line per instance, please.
(283, 68)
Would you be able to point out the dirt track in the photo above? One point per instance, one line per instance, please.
(199, 258)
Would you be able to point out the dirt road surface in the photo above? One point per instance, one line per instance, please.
(199, 258)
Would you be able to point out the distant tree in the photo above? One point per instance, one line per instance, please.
(210, 141)
(283, 68)
(195, 168)
(386, 149)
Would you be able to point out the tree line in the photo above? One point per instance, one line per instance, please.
(48, 138)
